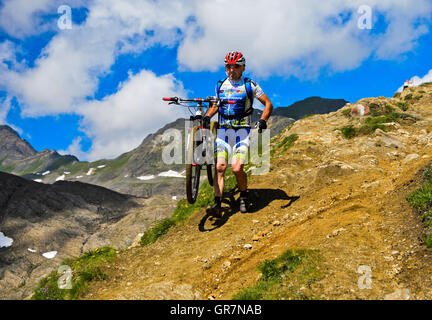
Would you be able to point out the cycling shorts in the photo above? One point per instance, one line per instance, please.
(232, 143)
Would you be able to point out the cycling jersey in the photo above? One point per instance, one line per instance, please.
(237, 92)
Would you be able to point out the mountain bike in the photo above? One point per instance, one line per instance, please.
(199, 143)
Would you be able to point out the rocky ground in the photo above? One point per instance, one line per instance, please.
(344, 197)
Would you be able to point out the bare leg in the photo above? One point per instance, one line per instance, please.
(238, 169)
(218, 184)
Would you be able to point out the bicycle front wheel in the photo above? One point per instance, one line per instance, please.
(193, 169)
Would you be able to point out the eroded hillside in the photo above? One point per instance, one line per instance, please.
(345, 197)
(65, 218)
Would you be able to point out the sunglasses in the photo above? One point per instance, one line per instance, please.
(235, 66)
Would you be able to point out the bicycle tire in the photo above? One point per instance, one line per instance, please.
(193, 170)
(210, 172)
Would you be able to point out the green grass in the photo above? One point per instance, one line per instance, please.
(370, 128)
(408, 96)
(421, 200)
(118, 163)
(285, 144)
(74, 168)
(8, 168)
(375, 121)
(289, 276)
(348, 131)
(346, 112)
(402, 105)
(34, 168)
(87, 268)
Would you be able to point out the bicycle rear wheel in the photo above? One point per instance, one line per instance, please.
(193, 169)
(213, 131)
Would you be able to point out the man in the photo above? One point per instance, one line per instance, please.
(235, 124)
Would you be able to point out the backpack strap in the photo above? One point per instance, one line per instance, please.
(218, 86)
(249, 92)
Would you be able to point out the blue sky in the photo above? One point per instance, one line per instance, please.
(94, 90)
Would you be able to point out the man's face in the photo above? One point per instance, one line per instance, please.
(234, 71)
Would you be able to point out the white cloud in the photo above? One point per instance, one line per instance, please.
(119, 122)
(68, 70)
(75, 149)
(5, 106)
(22, 18)
(18, 17)
(299, 37)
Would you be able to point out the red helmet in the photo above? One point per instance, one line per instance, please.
(235, 57)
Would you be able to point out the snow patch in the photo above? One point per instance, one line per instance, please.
(102, 166)
(46, 172)
(50, 254)
(146, 177)
(91, 171)
(31, 250)
(38, 180)
(5, 241)
(78, 177)
(171, 173)
(174, 198)
(60, 178)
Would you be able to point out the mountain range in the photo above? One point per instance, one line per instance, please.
(138, 172)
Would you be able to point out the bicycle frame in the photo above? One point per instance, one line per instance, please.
(195, 162)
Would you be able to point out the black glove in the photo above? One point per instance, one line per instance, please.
(261, 124)
(206, 122)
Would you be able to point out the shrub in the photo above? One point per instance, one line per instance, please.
(88, 267)
(421, 200)
(346, 112)
(349, 131)
(408, 96)
(283, 277)
(402, 105)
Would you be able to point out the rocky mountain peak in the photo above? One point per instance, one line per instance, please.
(13, 146)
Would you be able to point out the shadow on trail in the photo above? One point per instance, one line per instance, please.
(258, 200)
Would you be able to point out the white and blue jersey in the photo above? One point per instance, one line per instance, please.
(236, 92)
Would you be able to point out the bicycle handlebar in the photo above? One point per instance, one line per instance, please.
(177, 100)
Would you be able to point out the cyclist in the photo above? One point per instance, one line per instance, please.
(235, 124)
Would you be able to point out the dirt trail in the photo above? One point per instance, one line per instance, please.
(345, 197)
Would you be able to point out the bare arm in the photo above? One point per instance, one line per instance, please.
(268, 107)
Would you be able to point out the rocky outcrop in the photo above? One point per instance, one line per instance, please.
(12, 146)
